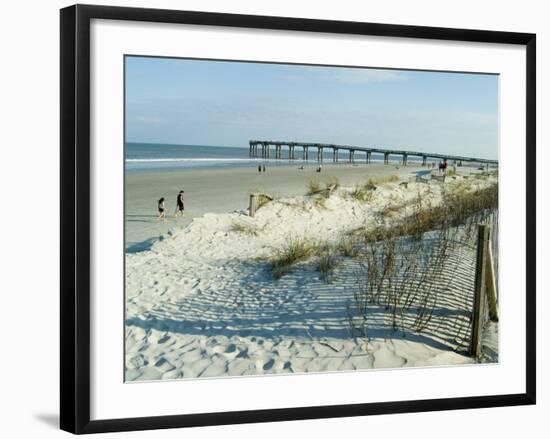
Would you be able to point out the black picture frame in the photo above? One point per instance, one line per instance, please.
(75, 217)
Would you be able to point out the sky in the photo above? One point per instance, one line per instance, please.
(227, 103)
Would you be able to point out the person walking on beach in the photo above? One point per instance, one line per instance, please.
(161, 216)
(263, 168)
(259, 168)
(179, 204)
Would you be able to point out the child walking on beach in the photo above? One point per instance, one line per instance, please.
(161, 209)
(179, 204)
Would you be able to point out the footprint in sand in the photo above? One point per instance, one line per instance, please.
(230, 351)
(164, 339)
(164, 365)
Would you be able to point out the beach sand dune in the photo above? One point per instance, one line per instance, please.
(203, 301)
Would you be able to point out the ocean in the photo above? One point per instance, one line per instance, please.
(149, 156)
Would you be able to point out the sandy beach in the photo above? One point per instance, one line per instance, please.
(223, 190)
(203, 301)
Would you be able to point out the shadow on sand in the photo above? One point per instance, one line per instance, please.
(142, 246)
(302, 305)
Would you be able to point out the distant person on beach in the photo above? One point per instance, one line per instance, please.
(263, 168)
(441, 167)
(161, 209)
(179, 204)
(259, 168)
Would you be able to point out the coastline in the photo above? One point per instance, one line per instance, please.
(222, 190)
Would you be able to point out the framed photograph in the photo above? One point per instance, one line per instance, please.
(273, 218)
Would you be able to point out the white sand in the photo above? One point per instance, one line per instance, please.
(202, 302)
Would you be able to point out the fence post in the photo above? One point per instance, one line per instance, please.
(491, 286)
(479, 296)
(252, 205)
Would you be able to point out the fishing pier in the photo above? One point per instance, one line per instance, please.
(267, 149)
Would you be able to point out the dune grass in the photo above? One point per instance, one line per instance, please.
(328, 259)
(262, 200)
(244, 228)
(322, 191)
(459, 207)
(348, 245)
(315, 187)
(363, 193)
(463, 204)
(295, 250)
(373, 181)
(393, 209)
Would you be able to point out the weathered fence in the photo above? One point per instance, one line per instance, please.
(485, 288)
(440, 288)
